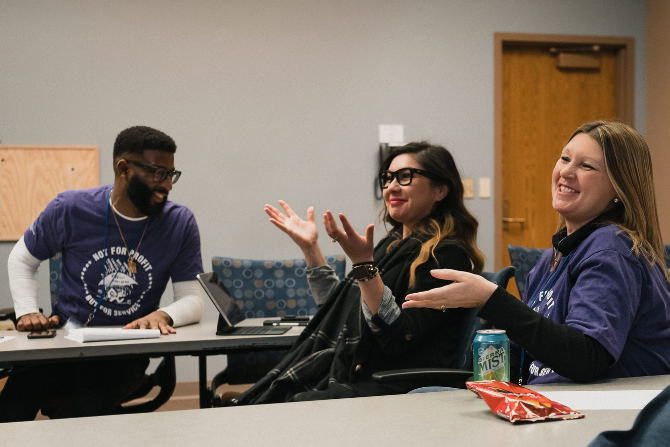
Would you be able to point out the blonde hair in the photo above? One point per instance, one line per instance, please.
(628, 166)
(449, 219)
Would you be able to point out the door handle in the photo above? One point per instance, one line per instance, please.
(507, 219)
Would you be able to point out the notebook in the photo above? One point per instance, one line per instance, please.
(229, 313)
(88, 334)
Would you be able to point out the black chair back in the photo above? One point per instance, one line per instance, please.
(523, 260)
(473, 323)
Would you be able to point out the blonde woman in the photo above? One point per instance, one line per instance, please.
(361, 327)
(597, 306)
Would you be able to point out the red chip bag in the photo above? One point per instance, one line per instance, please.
(516, 403)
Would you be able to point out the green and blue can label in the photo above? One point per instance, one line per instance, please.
(491, 355)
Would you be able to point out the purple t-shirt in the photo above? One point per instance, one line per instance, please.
(605, 292)
(74, 225)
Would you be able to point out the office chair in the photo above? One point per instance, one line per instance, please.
(523, 260)
(7, 323)
(7, 317)
(264, 289)
(454, 377)
(164, 377)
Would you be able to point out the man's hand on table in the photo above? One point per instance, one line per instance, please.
(36, 321)
(155, 320)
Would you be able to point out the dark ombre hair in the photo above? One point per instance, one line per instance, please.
(449, 219)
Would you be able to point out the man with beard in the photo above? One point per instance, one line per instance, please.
(120, 244)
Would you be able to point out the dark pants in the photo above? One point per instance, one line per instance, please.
(70, 389)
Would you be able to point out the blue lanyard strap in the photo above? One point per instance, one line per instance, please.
(553, 278)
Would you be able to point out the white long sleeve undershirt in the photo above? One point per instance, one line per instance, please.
(22, 269)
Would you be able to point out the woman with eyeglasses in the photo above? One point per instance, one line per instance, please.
(597, 306)
(360, 327)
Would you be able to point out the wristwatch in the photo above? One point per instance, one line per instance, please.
(364, 272)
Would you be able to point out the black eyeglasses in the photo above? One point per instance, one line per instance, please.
(404, 176)
(160, 174)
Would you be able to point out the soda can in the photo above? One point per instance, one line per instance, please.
(491, 355)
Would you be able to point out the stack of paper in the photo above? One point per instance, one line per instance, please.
(604, 400)
(87, 334)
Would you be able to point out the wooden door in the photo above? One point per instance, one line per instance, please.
(542, 105)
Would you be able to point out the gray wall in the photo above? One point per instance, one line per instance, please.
(276, 99)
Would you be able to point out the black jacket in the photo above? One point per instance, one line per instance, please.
(337, 353)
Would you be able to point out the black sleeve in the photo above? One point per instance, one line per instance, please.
(410, 330)
(564, 349)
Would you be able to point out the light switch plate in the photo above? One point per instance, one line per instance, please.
(393, 134)
(484, 187)
(468, 188)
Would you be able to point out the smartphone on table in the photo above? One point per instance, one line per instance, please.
(42, 334)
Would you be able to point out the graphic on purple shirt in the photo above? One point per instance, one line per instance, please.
(610, 295)
(74, 225)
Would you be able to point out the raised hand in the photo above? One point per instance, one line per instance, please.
(303, 232)
(357, 248)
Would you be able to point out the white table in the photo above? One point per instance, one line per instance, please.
(436, 419)
(197, 339)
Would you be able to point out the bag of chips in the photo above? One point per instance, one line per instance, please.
(516, 403)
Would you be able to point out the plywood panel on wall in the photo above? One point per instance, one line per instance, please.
(31, 176)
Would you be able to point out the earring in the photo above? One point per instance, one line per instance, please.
(616, 200)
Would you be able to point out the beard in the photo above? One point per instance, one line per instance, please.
(140, 195)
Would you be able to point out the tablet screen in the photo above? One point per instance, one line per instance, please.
(221, 298)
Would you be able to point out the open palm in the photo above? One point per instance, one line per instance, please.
(303, 232)
(358, 248)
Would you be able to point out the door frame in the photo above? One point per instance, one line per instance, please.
(625, 97)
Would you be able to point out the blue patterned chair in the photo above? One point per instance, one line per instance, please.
(55, 276)
(264, 289)
(164, 377)
(523, 260)
(454, 377)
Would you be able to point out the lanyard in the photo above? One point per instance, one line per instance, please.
(104, 264)
(553, 278)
